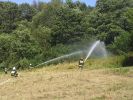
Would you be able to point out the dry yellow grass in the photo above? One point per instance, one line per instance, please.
(66, 82)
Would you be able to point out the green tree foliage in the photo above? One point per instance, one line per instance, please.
(18, 46)
(43, 36)
(122, 43)
(129, 15)
(23, 63)
(47, 16)
(5, 41)
(64, 22)
(26, 12)
(107, 21)
(8, 16)
(43, 31)
(68, 28)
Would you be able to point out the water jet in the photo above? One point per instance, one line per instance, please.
(97, 47)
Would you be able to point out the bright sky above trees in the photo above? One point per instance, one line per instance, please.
(88, 2)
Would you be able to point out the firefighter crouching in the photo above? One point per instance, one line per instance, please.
(14, 72)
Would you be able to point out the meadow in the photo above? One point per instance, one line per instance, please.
(101, 79)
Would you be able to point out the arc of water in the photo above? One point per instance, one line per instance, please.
(61, 57)
(92, 49)
(95, 44)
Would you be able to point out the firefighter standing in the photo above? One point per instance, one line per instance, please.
(5, 70)
(81, 63)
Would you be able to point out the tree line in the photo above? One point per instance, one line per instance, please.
(41, 31)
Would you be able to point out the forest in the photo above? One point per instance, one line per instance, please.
(34, 33)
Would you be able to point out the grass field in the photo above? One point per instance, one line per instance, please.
(67, 82)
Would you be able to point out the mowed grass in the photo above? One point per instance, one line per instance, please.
(97, 81)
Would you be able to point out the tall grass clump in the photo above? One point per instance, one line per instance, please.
(109, 62)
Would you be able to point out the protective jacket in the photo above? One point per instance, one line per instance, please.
(81, 63)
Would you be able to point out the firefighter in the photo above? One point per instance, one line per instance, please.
(81, 63)
(14, 72)
(5, 70)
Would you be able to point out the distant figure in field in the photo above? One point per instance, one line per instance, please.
(14, 72)
(5, 70)
(30, 65)
(81, 63)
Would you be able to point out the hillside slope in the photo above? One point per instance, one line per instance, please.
(67, 82)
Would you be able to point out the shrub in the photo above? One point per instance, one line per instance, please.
(23, 64)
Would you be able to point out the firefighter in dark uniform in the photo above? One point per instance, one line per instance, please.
(5, 70)
(81, 63)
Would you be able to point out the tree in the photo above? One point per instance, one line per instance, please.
(122, 42)
(5, 41)
(112, 5)
(43, 36)
(26, 12)
(107, 20)
(68, 1)
(8, 17)
(129, 15)
(67, 28)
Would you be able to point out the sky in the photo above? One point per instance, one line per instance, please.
(88, 2)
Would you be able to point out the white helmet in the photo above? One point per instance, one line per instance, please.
(14, 68)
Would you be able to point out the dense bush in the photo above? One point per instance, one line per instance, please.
(37, 33)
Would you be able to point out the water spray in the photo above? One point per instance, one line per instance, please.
(100, 49)
(61, 57)
(92, 49)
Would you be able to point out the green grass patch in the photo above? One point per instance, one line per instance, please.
(92, 63)
(109, 62)
(122, 71)
(103, 97)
